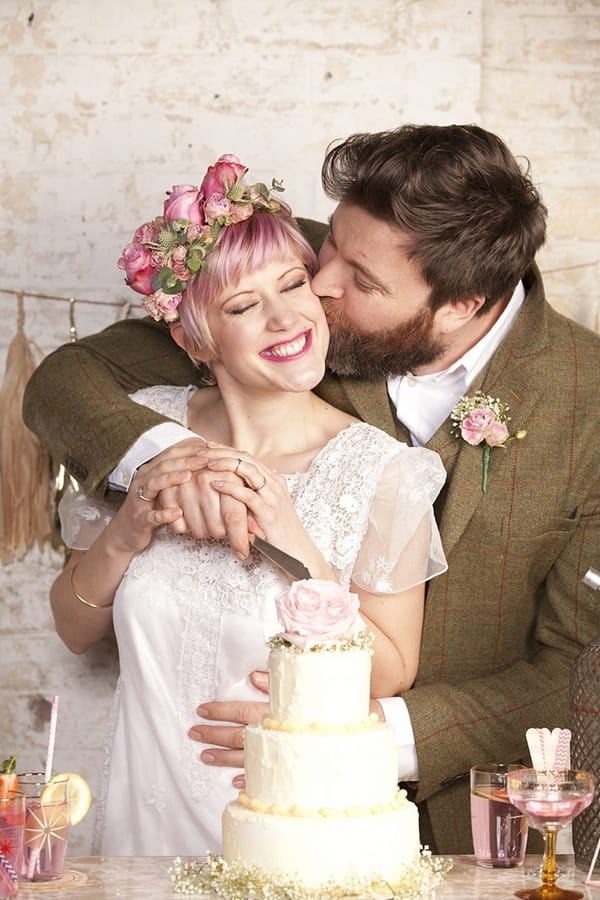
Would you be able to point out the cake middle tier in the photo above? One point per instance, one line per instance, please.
(312, 772)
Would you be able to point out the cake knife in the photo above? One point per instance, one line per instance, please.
(289, 564)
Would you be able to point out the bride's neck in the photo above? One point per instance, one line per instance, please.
(272, 427)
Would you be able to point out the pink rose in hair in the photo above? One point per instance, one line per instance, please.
(194, 231)
(184, 202)
(167, 304)
(148, 232)
(312, 612)
(137, 261)
(219, 178)
(178, 257)
(217, 205)
(241, 211)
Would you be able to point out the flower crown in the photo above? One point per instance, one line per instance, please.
(165, 254)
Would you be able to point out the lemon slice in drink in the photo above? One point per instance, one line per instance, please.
(80, 796)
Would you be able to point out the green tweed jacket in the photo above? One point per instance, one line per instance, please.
(504, 624)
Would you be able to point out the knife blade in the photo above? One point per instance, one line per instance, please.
(289, 564)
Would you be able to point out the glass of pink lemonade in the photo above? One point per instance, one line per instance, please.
(499, 829)
(12, 823)
(12, 820)
(550, 800)
(46, 832)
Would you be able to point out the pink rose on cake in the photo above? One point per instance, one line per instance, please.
(315, 612)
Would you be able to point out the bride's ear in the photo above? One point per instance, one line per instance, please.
(178, 335)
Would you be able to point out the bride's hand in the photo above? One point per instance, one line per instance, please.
(141, 514)
(264, 492)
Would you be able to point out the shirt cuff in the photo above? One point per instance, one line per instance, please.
(147, 446)
(396, 714)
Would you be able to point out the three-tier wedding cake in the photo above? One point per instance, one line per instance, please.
(321, 804)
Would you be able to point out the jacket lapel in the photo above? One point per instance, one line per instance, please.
(510, 376)
(371, 403)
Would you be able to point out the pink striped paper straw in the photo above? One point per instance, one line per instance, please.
(563, 749)
(51, 739)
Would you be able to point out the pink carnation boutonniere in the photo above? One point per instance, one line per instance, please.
(481, 419)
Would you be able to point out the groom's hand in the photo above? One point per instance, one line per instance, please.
(227, 735)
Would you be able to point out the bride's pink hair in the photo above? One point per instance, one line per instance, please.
(241, 249)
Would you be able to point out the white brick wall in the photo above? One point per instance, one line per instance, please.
(106, 104)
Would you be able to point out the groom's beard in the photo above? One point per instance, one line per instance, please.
(378, 354)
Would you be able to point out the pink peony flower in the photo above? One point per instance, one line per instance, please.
(216, 205)
(314, 611)
(137, 261)
(184, 202)
(219, 178)
(148, 232)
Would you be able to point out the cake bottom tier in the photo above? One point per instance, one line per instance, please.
(314, 851)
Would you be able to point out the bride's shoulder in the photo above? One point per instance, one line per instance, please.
(167, 399)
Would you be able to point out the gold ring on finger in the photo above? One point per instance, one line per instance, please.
(261, 486)
(139, 492)
(239, 462)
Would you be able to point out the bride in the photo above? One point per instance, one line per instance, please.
(229, 271)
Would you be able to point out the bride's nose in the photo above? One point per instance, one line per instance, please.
(280, 314)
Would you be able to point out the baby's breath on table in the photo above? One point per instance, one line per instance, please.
(236, 881)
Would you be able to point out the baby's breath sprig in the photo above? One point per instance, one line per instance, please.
(236, 881)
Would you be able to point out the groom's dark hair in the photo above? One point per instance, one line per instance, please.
(470, 215)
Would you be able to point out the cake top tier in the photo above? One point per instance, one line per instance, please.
(319, 667)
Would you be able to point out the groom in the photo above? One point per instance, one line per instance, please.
(430, 287)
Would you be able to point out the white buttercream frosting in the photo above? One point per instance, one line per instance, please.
(330, 686)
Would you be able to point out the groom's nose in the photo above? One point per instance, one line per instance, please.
(327, 282)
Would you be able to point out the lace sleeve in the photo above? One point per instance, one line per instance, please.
(82, 518)
(402, 545)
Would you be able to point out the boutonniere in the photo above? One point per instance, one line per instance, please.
(481, 419)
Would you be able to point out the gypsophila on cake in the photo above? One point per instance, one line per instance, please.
(321, 813)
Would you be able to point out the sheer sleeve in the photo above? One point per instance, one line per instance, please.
(82, 518)
(402, 545)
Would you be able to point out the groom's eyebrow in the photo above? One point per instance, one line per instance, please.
(370, 276)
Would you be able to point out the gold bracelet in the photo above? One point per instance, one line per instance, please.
(82, 599)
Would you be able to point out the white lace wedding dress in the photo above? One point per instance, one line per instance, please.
(191, 622)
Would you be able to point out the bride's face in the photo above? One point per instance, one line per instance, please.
(270, 330)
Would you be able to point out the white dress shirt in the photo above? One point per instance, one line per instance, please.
(422, 403)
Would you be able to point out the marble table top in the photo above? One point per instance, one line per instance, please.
(147, 878)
